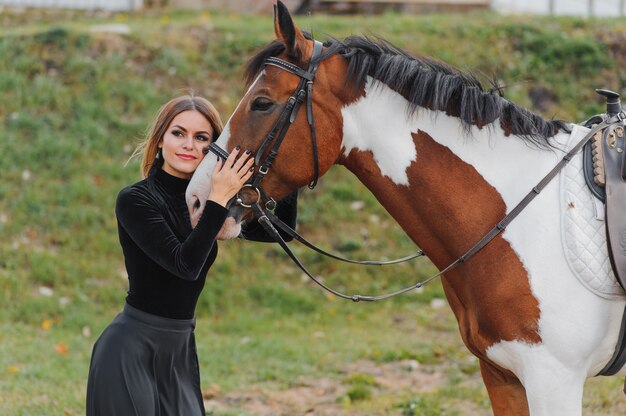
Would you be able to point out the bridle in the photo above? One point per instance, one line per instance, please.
(276, 135)
(304, 91)
(262, 204)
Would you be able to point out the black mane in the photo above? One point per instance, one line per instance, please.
(428, 83)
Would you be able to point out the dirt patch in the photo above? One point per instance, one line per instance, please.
(325, 396)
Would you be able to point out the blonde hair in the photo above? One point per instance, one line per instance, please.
(149, 147)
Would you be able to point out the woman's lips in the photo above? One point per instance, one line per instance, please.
(186, 157)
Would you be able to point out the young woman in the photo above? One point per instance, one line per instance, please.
(145, 361)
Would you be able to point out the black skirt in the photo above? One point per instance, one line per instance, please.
(145, 365)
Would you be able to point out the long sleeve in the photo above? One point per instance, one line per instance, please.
(286, 210)
(142, 218)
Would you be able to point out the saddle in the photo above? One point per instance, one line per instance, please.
(604, 161)
(604, 164)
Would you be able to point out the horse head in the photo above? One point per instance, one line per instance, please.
(277, 82)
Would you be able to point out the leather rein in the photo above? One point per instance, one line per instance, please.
(271, 223)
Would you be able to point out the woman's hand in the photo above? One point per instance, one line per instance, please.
(230, 175)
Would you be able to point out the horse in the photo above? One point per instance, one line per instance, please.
(448, 159)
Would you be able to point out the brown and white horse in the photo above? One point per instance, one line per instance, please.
(448, 160)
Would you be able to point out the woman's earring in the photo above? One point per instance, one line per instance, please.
(158, 155)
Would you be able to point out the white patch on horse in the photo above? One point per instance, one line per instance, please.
(199, 187)
(222, 141)
(390, 142)
(200, 184)
(536, 367)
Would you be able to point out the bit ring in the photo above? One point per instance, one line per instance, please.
(240, 200)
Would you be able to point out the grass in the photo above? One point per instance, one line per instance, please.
(75, 102)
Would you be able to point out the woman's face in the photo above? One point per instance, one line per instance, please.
(183, 143)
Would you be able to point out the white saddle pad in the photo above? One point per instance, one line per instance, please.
(582, 229)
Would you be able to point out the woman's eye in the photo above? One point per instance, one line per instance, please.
(261, 104)
(177, 133)
(202, 138)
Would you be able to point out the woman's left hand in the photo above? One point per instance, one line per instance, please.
(230, 175)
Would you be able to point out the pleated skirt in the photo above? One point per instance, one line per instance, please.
(145, 365)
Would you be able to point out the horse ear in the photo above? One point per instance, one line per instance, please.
(287, 32)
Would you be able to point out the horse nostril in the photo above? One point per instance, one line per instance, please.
(197, 204)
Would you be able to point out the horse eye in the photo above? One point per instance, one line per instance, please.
(261, 104)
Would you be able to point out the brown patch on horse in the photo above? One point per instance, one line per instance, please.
(505, 125)
(506, 392)
(490, 294)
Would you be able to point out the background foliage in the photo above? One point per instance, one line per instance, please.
(74, 101)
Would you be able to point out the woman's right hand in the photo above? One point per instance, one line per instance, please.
(230, 175)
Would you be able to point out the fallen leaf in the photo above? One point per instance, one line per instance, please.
(61, 349)
(98, 180)
(86, 331)
(46, 291)
(46, 324)
(211, 392)
(357, 205)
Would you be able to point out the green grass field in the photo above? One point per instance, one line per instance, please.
(75, 101)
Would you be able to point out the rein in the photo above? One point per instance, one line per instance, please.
(270, 222)
(277, 222)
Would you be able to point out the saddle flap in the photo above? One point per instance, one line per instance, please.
(614, 150)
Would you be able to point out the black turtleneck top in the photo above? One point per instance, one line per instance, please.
(166, 260)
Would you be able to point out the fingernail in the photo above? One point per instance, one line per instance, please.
(218, 158)
(237, 147)
(248, 152)
(252, 169)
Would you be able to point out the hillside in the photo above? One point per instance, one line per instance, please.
(76, 95)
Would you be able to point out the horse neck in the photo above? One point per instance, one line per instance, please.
(444, 184)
